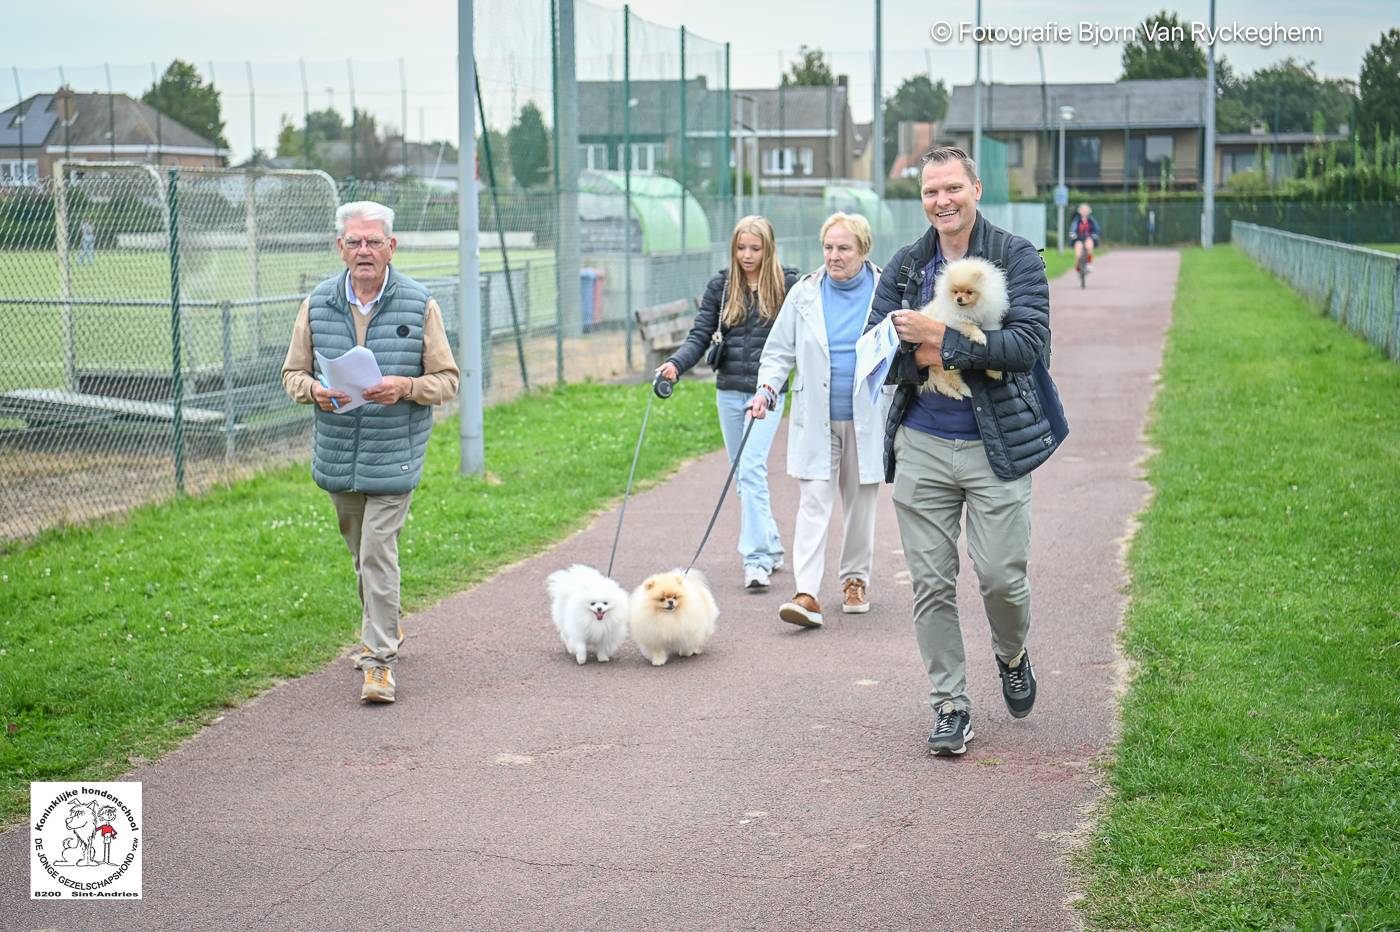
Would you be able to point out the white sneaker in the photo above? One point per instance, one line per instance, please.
(755, 578)
(778, 565)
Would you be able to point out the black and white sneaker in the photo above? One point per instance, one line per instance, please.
(951, 732)
(1018, 685)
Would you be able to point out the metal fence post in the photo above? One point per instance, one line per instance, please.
(65, 271)
(177, 387)
(226, 312)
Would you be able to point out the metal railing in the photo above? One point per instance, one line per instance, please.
(1356, 286)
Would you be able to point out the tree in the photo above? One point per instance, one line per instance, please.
(1231, 115)
(182, 95)
(1380, 84)
(1163, 48)
(500, 155)
(810, 70)
(918, 100)
(319, 127)
(529, 148)
(1288, 97)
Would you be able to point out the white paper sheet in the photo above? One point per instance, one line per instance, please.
(351, 373)
(874, 351)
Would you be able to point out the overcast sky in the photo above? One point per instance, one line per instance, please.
(513, 47)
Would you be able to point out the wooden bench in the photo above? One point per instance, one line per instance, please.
(664, 328)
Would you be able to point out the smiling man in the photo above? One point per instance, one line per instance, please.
(369, 459)
(945, 455)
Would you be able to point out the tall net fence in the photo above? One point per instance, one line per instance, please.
(145, 319)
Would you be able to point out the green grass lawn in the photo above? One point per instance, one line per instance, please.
(1384, 247)
(1057, 264)
(1257, 782)
(119, 639)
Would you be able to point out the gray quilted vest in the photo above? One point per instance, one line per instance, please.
(377, 449)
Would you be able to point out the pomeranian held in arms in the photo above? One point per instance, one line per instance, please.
(970, 296)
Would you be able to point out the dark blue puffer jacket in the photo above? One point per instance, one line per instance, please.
(1019, 416)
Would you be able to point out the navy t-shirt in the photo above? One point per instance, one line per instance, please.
(933, 412)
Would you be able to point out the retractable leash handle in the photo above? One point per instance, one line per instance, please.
(733, 468)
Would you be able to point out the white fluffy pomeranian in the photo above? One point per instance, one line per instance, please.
(672, 613)
(969, 296)
(590, 611)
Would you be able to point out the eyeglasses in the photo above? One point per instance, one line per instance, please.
(354, 242)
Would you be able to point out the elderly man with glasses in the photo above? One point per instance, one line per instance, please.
(369, 458)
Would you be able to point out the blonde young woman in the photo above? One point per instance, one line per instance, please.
(739, 307)
(835, 441)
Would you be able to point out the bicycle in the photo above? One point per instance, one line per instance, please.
(1081, 265)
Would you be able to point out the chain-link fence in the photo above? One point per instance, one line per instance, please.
(1358, 287)
(145, 318)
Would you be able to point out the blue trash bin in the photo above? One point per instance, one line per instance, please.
(587, 277)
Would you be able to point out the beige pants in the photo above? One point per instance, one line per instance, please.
(370, 525)
(934, 479)
(817, 501)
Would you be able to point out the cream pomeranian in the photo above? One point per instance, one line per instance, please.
(970, 297)
(672, 613)
(590, 611)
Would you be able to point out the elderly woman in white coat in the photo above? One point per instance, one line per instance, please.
(835, 439)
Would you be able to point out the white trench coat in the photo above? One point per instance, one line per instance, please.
(798, 338)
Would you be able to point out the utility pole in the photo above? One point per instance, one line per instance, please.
(1208, 182)
(878, 128)
(977, 93)
(471, 434)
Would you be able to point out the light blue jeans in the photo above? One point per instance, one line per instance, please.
(760, 544)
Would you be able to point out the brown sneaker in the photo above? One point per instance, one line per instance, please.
(803, 610)
(853, 600)
(379, 685)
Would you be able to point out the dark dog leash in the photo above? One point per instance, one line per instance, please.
(733, 468)
(632, 472)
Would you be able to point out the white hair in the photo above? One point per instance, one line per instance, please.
(364, 210)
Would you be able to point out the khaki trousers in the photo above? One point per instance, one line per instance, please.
(370, 525)
(934, 480)
(817, 500)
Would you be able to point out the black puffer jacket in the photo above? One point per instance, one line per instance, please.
(743, 343)
(1019, 416)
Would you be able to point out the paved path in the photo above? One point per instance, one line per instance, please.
(777, 782)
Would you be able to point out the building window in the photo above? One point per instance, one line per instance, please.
(805, 158)
(593, 156)
(779, 161)
(1149, 156)
(644, 156)
(14, 173)
(1083, 158)
(1013, 153)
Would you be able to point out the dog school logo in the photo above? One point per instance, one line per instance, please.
(86, 841)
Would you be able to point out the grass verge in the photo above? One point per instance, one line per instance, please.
(1255, 782)
(118, 640)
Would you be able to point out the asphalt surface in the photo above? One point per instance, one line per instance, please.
(778, 781)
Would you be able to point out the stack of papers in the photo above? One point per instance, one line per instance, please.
(874, 352)
(351, 373)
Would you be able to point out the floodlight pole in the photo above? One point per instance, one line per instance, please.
(470, 438)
